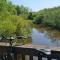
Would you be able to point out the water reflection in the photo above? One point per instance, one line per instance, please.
(46, 37)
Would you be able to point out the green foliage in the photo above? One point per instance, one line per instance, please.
(10, 23)
(51, 17)
(21, 10)
(18, 10)
(38, 19)
(30, 16)
(24, 26)
(7, 29)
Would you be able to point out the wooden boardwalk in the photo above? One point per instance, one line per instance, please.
(33, 46)
(40, 47)
(30, 50)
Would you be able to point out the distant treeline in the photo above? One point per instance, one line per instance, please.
(48, 17)
(13, 20)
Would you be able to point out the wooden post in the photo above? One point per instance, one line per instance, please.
(39, 57)
(23, 57)
(19, 57)
(15, 56)
(49, 58)
(58, 58)
(30, 57)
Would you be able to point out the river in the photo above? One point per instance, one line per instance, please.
(45, 36)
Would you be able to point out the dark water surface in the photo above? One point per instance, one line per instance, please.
(45, 36)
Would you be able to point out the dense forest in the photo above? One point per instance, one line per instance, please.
(48, 17)
(13, 20)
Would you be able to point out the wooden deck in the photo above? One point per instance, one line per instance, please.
(40, 47)
(33, 46)
(29, 49)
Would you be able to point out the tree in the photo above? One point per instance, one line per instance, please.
(30, 16)
(51, 17)
(38, 19)
(7, 29)
(18, 30)
(18, 9)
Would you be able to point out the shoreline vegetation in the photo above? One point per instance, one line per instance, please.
(13, 20)
(18, 20)
(49, 17)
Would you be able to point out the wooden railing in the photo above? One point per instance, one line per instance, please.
(11, 53)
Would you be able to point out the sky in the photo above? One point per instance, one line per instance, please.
(36, 5)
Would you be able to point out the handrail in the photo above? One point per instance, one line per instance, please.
(28, 51)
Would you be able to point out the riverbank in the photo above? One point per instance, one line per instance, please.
(45, 36)
(44, 26)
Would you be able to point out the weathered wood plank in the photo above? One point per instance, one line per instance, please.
(15, 56)
(29, 51)
(30, 57)
(39, 57)
(58, 58)
(49, 58)
(23, 57)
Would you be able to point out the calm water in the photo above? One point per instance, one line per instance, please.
(45, 36)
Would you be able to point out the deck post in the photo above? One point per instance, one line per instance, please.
(15, 56)
(58, 58)
(23, 57)
(48, 58)
(30, 57)
(39, 57)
